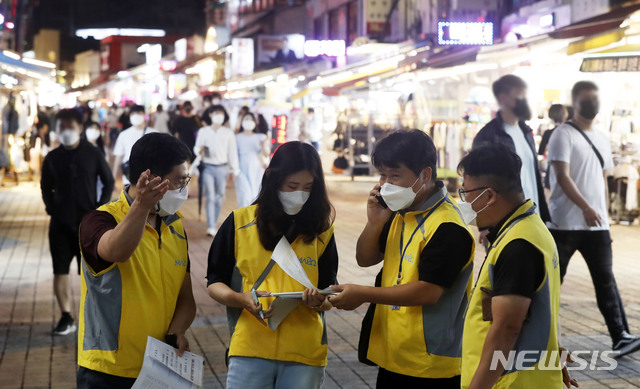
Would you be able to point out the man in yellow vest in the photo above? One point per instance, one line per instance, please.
(414, 330)
(135, 268)
(511, 326)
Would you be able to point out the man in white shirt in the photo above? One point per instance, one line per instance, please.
(126, 140)
(216, 148)
(580, 157)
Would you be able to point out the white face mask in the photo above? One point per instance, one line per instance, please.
(292, 202)
(217, 118)
(69, 137)
(92, 134)
(398, 197)
(215, 101)
(248, 125)
(172, 201)
(468, 214)
(136, 119)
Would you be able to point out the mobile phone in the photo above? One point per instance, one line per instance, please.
(381, 202)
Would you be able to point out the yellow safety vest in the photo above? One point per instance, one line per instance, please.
(420, 341)
(301, 336)
(539, 334)
(123, 304)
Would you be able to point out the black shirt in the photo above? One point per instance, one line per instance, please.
(69, 182)
(444, 255)
(186, 128)
(520, 267)
(222, 259)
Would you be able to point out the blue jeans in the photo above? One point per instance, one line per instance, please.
(214, 179)
(258, 373)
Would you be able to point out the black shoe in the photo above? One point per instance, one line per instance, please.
(626, 345)
(65, 326)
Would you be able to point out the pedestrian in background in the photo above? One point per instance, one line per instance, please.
(126, 140)
(136, 279)
(558, 115)
(69, 180)
(515, 303)
(186, 126)
(252, 147)
(216, 146)
(427, 252)
(238, 123)
(293, 205)
(161, 120)
(510, 129)
(581, 159)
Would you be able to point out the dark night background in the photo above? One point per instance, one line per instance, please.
(176, 17)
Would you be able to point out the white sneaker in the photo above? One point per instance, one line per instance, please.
(212, 232)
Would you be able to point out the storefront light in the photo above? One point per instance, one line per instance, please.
(11, 54)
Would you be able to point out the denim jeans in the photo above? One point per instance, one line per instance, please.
(214, 179)
(595, 247)
(259, 373)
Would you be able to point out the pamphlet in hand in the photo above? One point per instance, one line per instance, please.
(163, 368)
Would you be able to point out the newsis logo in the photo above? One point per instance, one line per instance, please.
(554, 360)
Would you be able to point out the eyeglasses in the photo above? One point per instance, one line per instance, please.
(463, 193)
(185, 184)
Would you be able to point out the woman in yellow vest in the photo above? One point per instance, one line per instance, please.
(277, 342)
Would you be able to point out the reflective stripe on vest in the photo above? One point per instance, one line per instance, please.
(539, 334)
(301, 337)
(123, 304)
(421, 341)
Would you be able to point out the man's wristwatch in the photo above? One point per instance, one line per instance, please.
(171, 340)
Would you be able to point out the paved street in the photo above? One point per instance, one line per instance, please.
(31, 358)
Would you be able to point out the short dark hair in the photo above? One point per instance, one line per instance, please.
(215, 95)
(69, 114)
(206, 116)
(317, 214)
(413, 148)
(557, 112)
(136, 108)
(582, 86)
(159, 153)
(506, 84)
(496, 163)
(207, 97)
(159, 108)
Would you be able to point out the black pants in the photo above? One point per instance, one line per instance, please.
(595, 247)
(390, 380)
(91, 379)
(64, 245)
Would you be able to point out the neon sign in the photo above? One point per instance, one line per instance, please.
(463, 33)
(330, 48)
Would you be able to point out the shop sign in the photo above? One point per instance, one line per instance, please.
(330, 48)
(241, 57)
(280, 49)
(376, 12)
(279, 131)
(465, 33)
(611, 64)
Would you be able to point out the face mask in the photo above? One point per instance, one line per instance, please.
(69, 137)
(589, 108)
(217, 119)
(521, 109)
(92, 134)
(136, 120)
(215, 101)
(172, 201)
(248, 125)
(292, 202)
(398, 197)
(468, 214)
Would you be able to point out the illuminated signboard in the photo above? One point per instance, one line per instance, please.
(279, 131)
(168, 66)
(331, 48)
(462, 33)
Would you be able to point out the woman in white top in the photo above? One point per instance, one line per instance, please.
(216, 146)
(251, 148)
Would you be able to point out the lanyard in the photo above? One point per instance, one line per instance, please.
(501, 234)
(404, 251)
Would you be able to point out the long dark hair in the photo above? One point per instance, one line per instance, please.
(316, 216)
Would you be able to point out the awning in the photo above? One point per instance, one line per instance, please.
(595, 42)
(596, 25)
